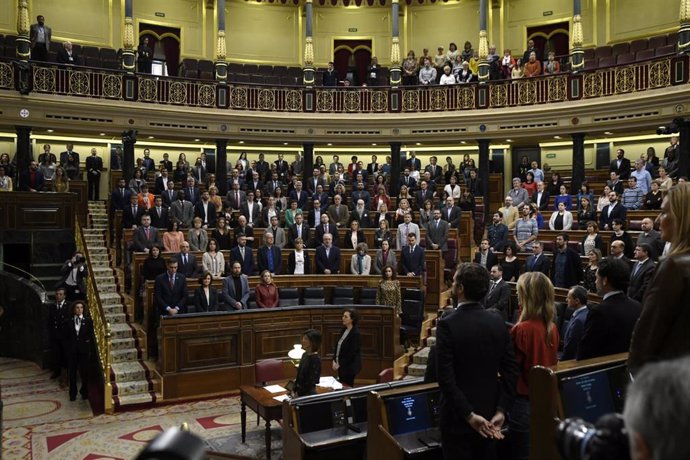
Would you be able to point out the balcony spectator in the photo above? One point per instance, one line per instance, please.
(410, 69)
(530, 49)
(473, 63)
(39, 36)
(465, 74)
(5, 180)
(533, 66)
(551, 66)
(452, 52)
(427, 74)
(373, 72)
(144, 56)
(66, 55)
(507, 64)
(447, 78)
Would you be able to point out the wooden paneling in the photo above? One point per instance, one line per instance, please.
(207, 354)
(37, 210)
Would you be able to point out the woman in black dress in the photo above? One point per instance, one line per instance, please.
(347, 359)
(309, 370)
(205, 296)
(144, 56)
(154, 265)
(222, 235)
(510, 263)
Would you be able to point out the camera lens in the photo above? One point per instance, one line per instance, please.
(573, 436)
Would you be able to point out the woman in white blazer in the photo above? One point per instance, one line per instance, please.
(361, 261)
(561, 219)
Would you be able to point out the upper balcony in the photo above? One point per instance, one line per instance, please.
(631, 96)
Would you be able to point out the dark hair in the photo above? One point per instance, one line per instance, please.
(512, 246)
(78, 302)
(580, 293)
(616, 222)
(354, 315)
(564, 236)
(383, 269)
(314, 337)
(203, 277)
(474, 280)
(157, 246)
(646, 248)
(616, 271)
(171, 260)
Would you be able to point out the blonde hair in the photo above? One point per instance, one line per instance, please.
(536, 296)
(678, 202)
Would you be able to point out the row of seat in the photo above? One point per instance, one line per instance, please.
(630, 52)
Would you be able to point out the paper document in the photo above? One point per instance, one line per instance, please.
(330, 382)
(274, 389)
(281, 398)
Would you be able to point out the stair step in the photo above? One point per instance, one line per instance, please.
(121, 331)
(430, 341)
(140, 398)
(126, 355)
(121, 344)
(421, 357)
(416, 370)
(132, 388)
(116, 318)
(128, 371)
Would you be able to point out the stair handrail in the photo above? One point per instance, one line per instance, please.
(101, 327)
(30, 277)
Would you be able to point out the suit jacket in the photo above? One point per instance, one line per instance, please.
(78, 344)
(412, 262)
(435, 171)
(499, 298)
(573, 334)
(542, 264)
(401, 240)
(624, 169)
(372, 168)
(64, 58)
(409, 181)
(378, 261)
(363, 219)
(340, 217)
(366, 265)
(252, 186)
(190, 269)
(262, 259)
(491, 259)
(256, 213)
(609, 327)
(414, 161)
(231, 199)
(56, 319)
(159, 222)
(292, 234)
(324, 201)
(182, 212)
(170, 296)
(210, 219)
(360, 195)
(458, 337)
(311, 187)
(319, 232)
(350, 356)
(203, 304)
(227, 295)
(141, 242)
(278, 236)
(192, 194)
(161, 185)
(347, 239)
(291, 263)
(573, 269)
(248, 261)
(168, 200)
(118, 200)
(454, 219)
(542, 204)
(33, 35)
(330, 262)
(420, 196)
(130, 219)
(302, 200)
(437, 235)
(640, 280)
(618, 212)
(25, 181)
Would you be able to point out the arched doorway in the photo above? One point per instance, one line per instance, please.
(551, 37)
(165, 43)
(351, 59)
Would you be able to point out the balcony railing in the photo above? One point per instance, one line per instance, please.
(107, 84)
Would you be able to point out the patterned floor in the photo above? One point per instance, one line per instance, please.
(41, 423)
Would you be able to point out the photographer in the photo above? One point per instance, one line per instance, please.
(656, 411)
(73, 273)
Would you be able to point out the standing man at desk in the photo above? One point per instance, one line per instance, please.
(475, 400)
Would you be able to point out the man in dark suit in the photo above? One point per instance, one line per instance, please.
(242, 253)
(131, 214)
(186, 262)
(485, 256)
(414, 161)
(58, 313)
(314, 181)
(609, 325)
(235, 291)
(577, 301)
(642, 272)
(323, 228)
(169, 195)
(39, 36)
(159, 214)
(538, 261)
(434, 170)
(360, 213)
(191, 191)
(31, 180)
(373, 167)
(166, 163)
(614, 210)
(566, 268)
(78, 335)
(206, 211)
(94, 167)
(541, 197)
(299, 229)
(615, 183)
(360, 194)
(408, 181)
(282, 167)
(498, 296)
(322, 197)
(119, 198)
(181, 211)
(250, 209)
(254, 183)
(145, 236)
(268, 256)
(437, 232)
(451, 213)
(330, 76)
(235, 197)
(474, 403)
(621, 165)
(652, 238)
(412, 257)
(161, 183)
(423, 194)
(299, 195)
(67, 55)
(170, 291)
(327, 257)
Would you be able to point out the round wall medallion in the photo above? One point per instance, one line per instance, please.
(24, 113)
(679, 108)
(223, 128)
(575, 120)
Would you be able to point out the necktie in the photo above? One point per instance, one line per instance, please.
(123, 192)
(270, 260)
(437, 222)
(77, 323)
(172, 281)
(242, 253)
(184, 259)
(134, 210)
(637, 268)
(325, 229)
(299, 231)
(237, 198)
(146, 230)
(159, 212)
(493, 285)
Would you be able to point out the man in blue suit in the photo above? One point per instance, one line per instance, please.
(243, 254)
(412, 257)
(327, 257)
(170, 291)
(235, 288)
(119, 199)
(186, 261)
(577, 301)
(538, 262)
(268, 257)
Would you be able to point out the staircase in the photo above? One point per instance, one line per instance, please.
(417, 366)
(134, 382)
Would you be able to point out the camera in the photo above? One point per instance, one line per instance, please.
(606, 440)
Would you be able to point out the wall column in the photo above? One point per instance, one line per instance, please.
(396, 166)
(222, 166)
(308, 160)
(483, 44)
(221, 66)
(129, 138)
(396, 71)
(578, 173)
(577, 54)
(683, 147)
(23, 42)
(23, 152)
(484, 145)
(308, 71)
(684, 31)
(128, 58)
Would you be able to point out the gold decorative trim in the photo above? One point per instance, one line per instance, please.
(352, 101)
(238, 98)
(324, 100)
(207, 95)
(23, 24)
(148, 90)
(177, 92)
(660, 74)
(293, 100)
(308, 52)
(379, 101)
(128, 34)
(112, 86)
(498, 95)
(410, 101)
(437, 99)
(395, 52)
(266, 99)
(44, 79)
(465, 98)
(220, 46)
(6, 75)
(79, 83)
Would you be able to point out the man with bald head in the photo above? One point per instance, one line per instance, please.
(327, 257)
(617, 251)
(651, 237)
